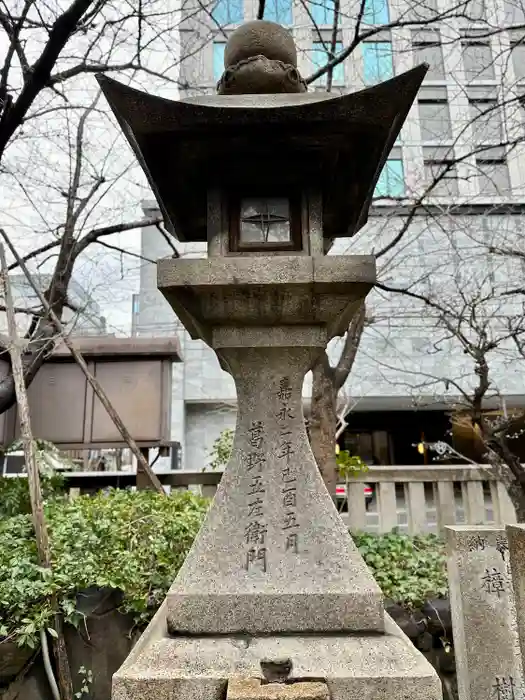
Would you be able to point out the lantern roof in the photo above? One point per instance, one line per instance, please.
(336, 145)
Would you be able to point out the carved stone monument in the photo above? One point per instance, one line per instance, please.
(488, 659)
(516, 538)
(273, 599)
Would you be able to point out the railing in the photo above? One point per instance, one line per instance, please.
(414, 499)
(425, 499)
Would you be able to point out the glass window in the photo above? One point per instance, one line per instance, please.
(265, 220)
(391, 182)
(518, 60)
(445, 170)
(514, 12)
(228, 12)
(322, 12)
(477, 61)
(475, 10)
(426, 48)
(493, 177)
(320, 57)
(421, 10)
(434, 121)
(279, 11)
(377, 60)
(376, 12)
(485, 116)
(218, 58)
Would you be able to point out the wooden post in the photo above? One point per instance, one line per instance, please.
(97, 388)
(33, 474)
(142, 481)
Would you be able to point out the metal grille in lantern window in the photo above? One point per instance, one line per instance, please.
(265, 221)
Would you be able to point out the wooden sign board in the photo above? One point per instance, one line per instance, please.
(134, 372)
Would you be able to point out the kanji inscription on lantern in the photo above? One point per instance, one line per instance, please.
(256, 508)
(256, 528)
(256, 431)
(256, 485)
(256, 557)
(284, 393)
(254, 461)
(291, 543)
(285, 452)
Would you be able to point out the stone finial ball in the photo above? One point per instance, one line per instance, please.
(260, 38)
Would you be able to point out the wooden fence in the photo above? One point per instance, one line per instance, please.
(414, 499)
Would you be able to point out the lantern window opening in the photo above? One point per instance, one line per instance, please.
(268, 222)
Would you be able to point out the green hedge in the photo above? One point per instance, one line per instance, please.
(136, 542)
(132, 541)
(409, 569)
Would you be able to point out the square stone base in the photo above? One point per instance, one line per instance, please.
(356, 667)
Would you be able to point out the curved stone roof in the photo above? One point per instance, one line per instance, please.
(337, 144)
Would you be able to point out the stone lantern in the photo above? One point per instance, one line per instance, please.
(268, 175)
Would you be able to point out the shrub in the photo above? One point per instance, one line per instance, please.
(14, 493)
(133, 542)
(222, 449)
(409, 569)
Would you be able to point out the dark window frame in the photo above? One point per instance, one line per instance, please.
(296, 225)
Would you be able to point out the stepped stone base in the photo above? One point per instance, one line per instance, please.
(363, 667)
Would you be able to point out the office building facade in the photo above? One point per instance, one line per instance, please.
(454, 184)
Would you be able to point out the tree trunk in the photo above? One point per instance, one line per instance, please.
(509, 471)
(327, 381)
(323, 422)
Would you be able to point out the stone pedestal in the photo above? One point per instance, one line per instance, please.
(273, 554)
(516, 540)
(273, 573)
(364, 666)
(488, 659)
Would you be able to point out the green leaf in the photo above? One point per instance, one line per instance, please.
(409, 570)
(133, 542)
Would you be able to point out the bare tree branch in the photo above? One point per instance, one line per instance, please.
(260, 9)
(40, 72)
